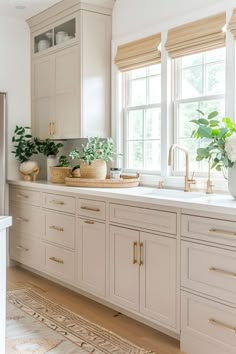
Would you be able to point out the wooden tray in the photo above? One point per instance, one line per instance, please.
(125, 181)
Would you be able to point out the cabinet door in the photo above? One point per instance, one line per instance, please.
(42, 96)
(158, 278)
(124, 270)
(66, 93)
(92, 256)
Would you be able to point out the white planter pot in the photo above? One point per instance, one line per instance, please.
(232, 180)
(51, 162)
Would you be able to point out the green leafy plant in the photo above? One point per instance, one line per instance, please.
(24, 144)
(95, 149)
(48, 147)
(213, 133)
(63, 162)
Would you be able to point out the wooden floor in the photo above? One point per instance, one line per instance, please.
(132, 330)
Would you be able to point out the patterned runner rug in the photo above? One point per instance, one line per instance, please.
(36, 325)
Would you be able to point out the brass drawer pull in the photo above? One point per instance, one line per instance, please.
(56, 202)
(57, 260)
(57, 228)
(90, 208)
(140, 253)
(135, 252)
(22, 219)
(223, 232)
(49, 128)
(21, 248)
(222, 271)
(222, 325)
(90, 222)
(22, 196)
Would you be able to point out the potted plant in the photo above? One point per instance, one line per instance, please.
(61, 171)
(25, 148)
(50, 149)
(93, 157)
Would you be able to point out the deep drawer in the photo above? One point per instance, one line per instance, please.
(26, 219)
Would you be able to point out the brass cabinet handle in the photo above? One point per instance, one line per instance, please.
(54, 128)
(22, 219)
(90, 222)
(135, 252)
(21, 248)
(50, 128)
(222, 271)
(140, 253)
(89, 208)
(222, 325)
(22, 196)
(223, 232)
(57, 260)
(57, 228)
(57, 202)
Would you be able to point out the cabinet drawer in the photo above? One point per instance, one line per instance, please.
(209, 320)
(209, 270)
(92, 208)
(26, 219)
(25, 196)
(59, 228)
(59, 202)
(145, 218)
(26, 250)
(208, 229)
(59, 262)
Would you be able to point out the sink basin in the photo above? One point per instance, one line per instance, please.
(171, 194)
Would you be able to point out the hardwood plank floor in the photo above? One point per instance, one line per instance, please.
(124, 326)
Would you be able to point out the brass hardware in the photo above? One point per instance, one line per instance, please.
(22, 196)
(50, 128)
(22, 219)
(89, 222)
(21, 248)
(187, 181)
(57, 228)
(222, 271)
(56, 202)
(134, 252)
(222, 325)
(54, 128)
(57, 260)
(140, 253)
(223, 232)
(89, 208)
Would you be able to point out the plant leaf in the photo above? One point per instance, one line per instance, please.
(212, 115)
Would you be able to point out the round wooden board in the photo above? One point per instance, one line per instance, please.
(124, 182)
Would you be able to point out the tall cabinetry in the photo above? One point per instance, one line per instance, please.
(71, 71)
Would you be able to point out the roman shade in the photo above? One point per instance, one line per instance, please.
(197, 36)
(138, 54)
(232, 24)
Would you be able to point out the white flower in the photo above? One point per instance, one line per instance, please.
(230, 147)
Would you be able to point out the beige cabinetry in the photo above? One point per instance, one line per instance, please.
(71, 72)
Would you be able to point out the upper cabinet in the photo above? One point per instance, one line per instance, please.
(71, 60)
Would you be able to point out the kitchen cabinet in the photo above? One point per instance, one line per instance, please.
(71, 77)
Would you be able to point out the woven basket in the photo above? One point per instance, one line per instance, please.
(97, 169)
(58, 174)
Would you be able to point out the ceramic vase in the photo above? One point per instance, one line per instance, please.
(29, 170)
(232, 180)
(51, 161)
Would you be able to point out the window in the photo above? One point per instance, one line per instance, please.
(142, 119)
(199, 84)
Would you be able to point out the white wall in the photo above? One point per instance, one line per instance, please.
(15, 78)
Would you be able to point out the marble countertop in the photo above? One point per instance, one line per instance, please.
(218, 203)
(5, 221)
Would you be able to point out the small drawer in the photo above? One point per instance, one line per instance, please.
(59, 202)
(24, 196)
(155, 220)
(91, 208)
(26, 219)
(209, 320)
(59, 262)
(59, 228)
(208, 229)
(209, 270)
(26, 250)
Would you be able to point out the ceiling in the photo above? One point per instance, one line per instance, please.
(24, 8)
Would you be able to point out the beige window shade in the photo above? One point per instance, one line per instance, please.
(232, 24)
(138, 54)
(196, 37)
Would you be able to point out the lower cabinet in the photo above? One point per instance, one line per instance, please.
(92, 256)
(143, 273)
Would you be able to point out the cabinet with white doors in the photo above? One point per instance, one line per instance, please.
(208, 284)
(71, 78)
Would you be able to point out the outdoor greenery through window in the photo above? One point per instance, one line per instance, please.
(142, 119)
(199, 84)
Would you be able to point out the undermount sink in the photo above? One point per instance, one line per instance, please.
(172, 194)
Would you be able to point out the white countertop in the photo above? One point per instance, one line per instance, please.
(218, 203)
(5, 221)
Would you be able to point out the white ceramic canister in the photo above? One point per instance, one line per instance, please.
(43, 44)
(60, 37)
